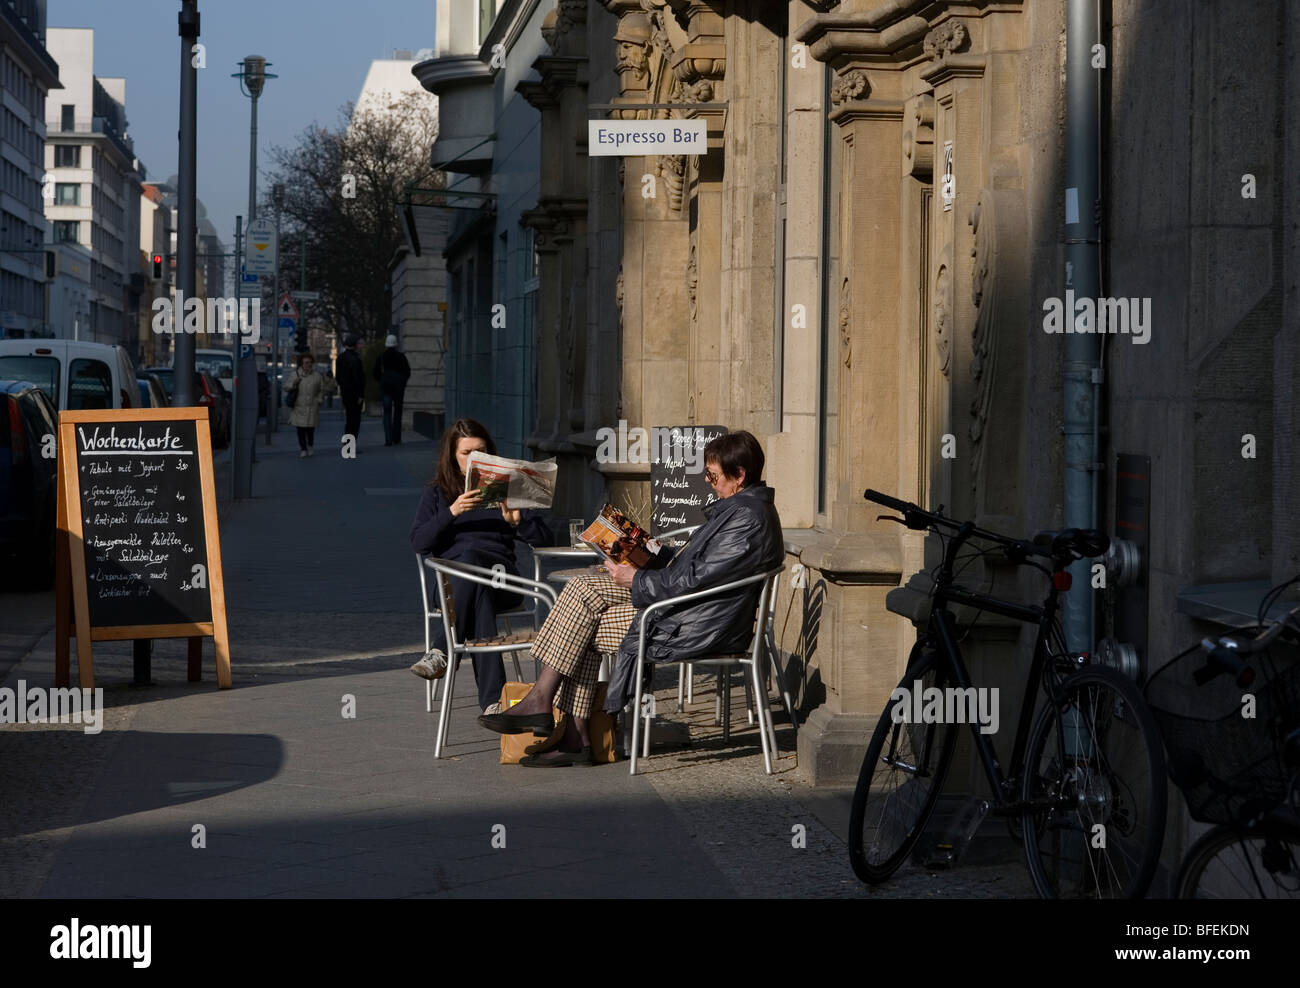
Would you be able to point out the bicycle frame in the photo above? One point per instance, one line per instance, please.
(941, 629)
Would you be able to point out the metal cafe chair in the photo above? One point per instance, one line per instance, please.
(755, 659)
(442, 606)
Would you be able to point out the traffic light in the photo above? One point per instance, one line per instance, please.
(157, 267)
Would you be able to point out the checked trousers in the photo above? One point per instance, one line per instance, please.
(591, 616)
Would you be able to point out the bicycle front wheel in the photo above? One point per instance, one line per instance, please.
(1260, 863)
(1094, 779)
(901, 776)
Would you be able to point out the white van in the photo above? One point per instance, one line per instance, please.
(219, 363)
(74, 374)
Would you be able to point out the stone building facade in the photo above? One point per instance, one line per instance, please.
(859, 270)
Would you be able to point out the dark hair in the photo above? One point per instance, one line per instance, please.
(735, 451)
(305, 356)
(448, 477)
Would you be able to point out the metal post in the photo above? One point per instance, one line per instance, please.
(278, 195)
(187, 182)
(1081, 371)
(234, 345)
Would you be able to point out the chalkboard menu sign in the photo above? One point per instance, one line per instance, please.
(139, 555)
(142, 523)
(678, 491)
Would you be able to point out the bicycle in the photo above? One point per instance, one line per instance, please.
(1240, 773)
(1087, 793)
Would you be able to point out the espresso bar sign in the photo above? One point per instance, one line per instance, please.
(678, 491)
(142, 523)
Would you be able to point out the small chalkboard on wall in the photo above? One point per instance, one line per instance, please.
(139, 553)
(678, 491)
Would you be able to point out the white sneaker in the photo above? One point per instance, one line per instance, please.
(494, 708)
(302, 453)
(311, 450)
(432, 666)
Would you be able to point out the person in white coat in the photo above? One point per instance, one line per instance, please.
(312, 389)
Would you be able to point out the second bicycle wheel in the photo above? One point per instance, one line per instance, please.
(1261, 863)
(900, 778)
(1094, 775)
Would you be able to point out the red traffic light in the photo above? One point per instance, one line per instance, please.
(157, 267)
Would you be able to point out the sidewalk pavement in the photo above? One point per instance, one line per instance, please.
(268, 789)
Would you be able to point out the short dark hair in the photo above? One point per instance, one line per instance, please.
(735, 451)
(305, 355)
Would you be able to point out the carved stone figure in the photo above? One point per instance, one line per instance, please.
(942, 313)
(692, 278)
(672, 168)
(846, 316)
(632, 41)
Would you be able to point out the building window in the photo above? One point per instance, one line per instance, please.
(67, 194)
(67, 232)
(67, 156)
(487, 12)
(67, 120)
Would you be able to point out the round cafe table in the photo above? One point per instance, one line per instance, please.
(558, 554)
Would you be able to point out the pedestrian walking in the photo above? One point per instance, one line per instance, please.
(449, 525)
(351, 377)
(392, 371)
(308, 387)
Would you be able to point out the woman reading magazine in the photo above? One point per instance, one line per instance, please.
(450, 524)
(596, 613)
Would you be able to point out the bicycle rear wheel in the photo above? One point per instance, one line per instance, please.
(1260, 863)
(901, 777)
(1095, 772)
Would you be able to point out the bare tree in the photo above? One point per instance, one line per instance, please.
(343, 195)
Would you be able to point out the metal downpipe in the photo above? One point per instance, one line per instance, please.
(1083, 277)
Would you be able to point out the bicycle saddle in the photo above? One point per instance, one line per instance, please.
(1082, 543)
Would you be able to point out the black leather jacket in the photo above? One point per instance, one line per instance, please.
(741, 538)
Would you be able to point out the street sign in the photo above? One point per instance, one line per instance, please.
(306, 296)
(286, 308)
(250, 285)
(245, 351)
(261, 248)
(290, 324)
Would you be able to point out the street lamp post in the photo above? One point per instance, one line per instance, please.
(187, 220)
(252, 76)
(273, 411)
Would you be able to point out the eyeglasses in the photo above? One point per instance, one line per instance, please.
(711, 477)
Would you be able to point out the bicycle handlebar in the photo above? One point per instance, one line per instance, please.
(1224, 654)
(917, 518)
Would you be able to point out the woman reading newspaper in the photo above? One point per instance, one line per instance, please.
(597, 613)
(451, 523)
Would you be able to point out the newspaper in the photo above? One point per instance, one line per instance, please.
(514, 483)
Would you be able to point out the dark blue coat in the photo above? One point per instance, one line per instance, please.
(741, 538)
(480, 538)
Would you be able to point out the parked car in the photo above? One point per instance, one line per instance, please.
(73, 375)
(209, 394)
(28, 482)
(152, 392)
(219, 363)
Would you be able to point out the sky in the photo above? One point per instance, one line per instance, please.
(320, 49)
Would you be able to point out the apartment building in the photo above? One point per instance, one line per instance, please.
(27, 73)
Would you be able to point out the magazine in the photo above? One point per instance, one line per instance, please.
(621, 540)
(513, 483)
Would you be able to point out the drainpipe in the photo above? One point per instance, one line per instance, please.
(1082, 368)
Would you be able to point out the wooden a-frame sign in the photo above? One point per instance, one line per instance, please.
(134, 475)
